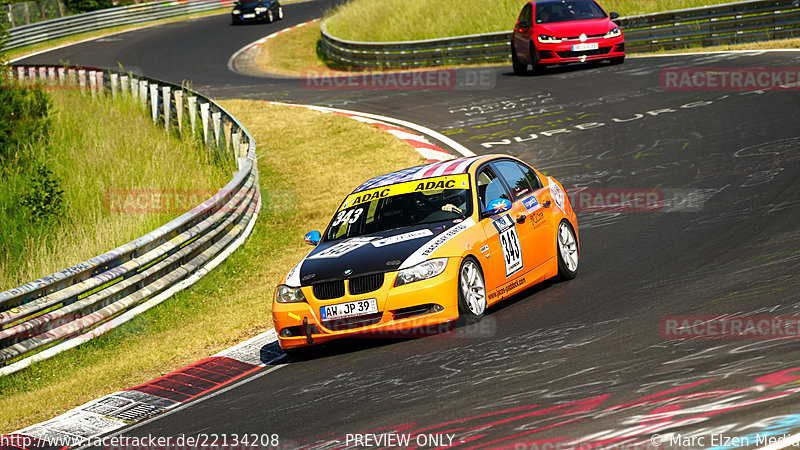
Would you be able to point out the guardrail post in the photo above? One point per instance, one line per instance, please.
(72, 80)
(192, 104)
(227, 129)
(92, 82)
(165, 95)
(82, 79)
(43, 74)
(134, 89)
(154, 101)
(124, 85)
(204, 117)
(216, 117)
(51, 75)
(236, 143)
(143, 93)
(100, 81)
(32, 74)
(179, 109)
(20, 74)
(62, 75)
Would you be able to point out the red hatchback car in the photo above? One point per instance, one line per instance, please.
(564, 31)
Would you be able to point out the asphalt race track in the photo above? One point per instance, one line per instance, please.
(583, 362)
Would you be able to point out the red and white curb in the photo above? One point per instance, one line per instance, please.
(88, 423)
(256, 44)
(401, 129)
(261, 41)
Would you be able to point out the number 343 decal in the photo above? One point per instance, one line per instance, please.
(350, 216)
(509, 242)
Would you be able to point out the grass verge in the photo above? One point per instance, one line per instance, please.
(304, 174)
(92, 159)
(400, 20)
(292, 52)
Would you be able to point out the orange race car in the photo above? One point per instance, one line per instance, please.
(427, 245)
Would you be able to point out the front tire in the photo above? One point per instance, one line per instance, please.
(537, 68)
(270, 17)
(471, 292)
(519, 68)
(568, 254)
(617, 60)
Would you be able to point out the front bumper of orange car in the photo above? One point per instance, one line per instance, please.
(417, 306)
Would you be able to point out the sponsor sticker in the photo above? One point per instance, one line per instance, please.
(402, 238)
(342, 248)
(432, 245)
(293, 278)
(460, 181)
(557, 194)
(531, 203)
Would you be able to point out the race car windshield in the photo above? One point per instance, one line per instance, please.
(397, 211)
(567, 10)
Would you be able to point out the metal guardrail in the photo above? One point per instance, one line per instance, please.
(62, 310)
(107, 18)
(709, 25)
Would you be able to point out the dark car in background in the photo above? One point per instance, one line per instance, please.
(564, 31)
(256, 11)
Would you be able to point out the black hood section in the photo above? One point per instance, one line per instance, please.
(368, 254)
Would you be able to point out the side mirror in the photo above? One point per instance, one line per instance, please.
(613, 16)
(497, 206)
(523, 24)
(313, 238)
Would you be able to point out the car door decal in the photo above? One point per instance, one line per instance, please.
(557, 194)
(509, 242)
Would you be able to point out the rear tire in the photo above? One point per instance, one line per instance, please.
(519, 68)
(471, 292)
(280, 13)
(568, 253)
(270, 17)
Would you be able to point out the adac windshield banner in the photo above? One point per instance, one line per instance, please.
(460, 181)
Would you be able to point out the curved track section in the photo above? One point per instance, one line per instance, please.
(584, 362)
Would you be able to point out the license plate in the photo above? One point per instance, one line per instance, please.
(349, 309)
(584, 47)
(249, 16)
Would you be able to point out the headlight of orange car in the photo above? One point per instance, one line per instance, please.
(421, 271)
(286, 294)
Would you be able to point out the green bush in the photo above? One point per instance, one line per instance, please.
(23, 119)
(82, 6)
(43, 199)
